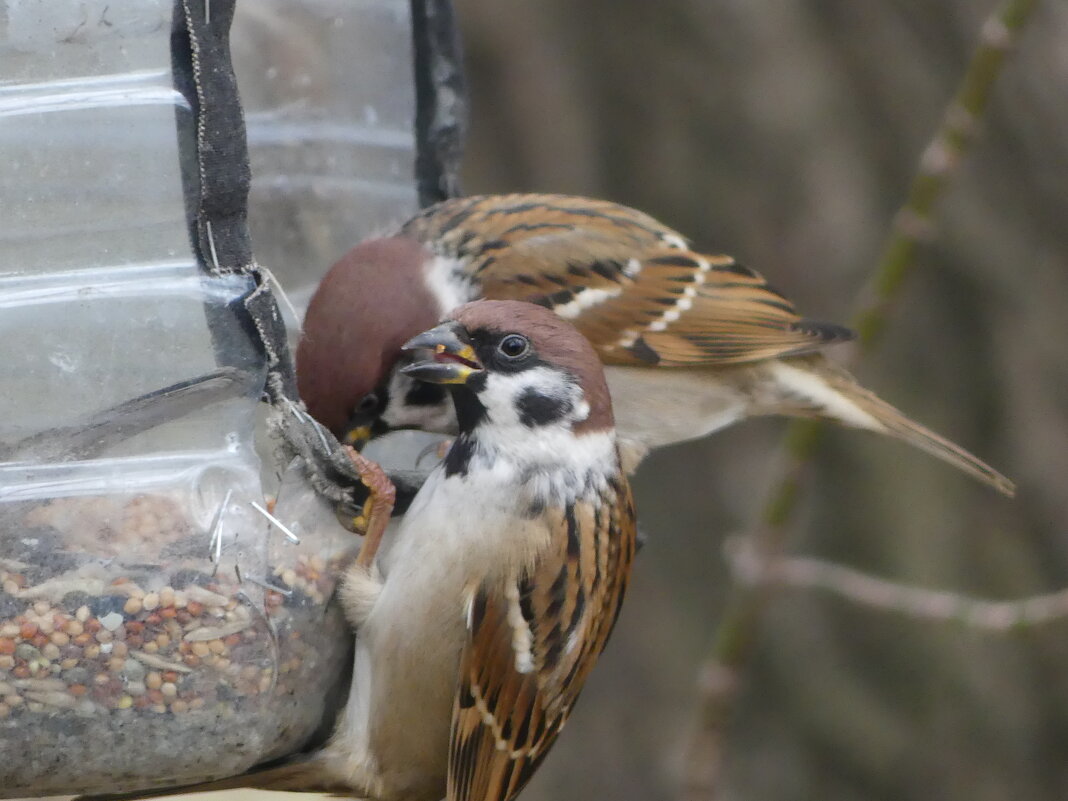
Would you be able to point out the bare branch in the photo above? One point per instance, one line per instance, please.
(804, 572)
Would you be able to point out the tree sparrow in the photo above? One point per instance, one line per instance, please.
(724, 344)
(481, 616)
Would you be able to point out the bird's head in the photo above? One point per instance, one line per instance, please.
(515, 368)
(368, 305)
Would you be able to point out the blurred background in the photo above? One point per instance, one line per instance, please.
(785, 134)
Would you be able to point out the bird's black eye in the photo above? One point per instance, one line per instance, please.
(368, 404)
(514, 346)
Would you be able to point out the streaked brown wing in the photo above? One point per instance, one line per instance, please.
(516, 243)
(531, 647)
(631, 285)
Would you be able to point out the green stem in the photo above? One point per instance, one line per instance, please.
(938, 166)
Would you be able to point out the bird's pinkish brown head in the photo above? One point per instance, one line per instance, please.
(518, 366)
(366, 307)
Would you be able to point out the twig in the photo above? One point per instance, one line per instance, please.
(805, 572)
(939, 164)
(739, 627)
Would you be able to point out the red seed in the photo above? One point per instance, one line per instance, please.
(7, 645)
(194, 608)
(28, 630)
(134, 627)
(39, 640)
(77, 690)
(168, 612)
(21, 672)
(153, 620)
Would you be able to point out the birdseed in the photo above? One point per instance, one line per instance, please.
(121, 672)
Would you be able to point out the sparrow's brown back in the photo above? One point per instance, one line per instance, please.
(643, 297)
(628, 283)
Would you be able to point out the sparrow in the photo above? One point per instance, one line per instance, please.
(691, 342)
(479, 618)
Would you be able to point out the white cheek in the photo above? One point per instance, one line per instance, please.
(439, 418)
(505, 433)
(502, 394)
(500, 398)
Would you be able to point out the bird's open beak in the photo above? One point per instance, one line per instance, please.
(453, 361)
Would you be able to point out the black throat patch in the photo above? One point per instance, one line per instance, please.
(458, 459)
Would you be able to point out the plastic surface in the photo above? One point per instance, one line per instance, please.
(156, 627)
(328, 92)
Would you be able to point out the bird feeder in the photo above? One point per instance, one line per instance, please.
(166, 568)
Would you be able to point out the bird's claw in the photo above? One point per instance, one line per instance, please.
(374, 516)
(373, 477)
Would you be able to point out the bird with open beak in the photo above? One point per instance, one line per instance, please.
(691, 342)
(479, 617)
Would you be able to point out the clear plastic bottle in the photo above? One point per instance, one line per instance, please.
(329, 103)
(165, 582)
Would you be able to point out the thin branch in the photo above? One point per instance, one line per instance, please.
(938, 165)
(804, 572)
(739, 627)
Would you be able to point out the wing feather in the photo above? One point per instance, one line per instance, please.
(516, 692)
(631, 285)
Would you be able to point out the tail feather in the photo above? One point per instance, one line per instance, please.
(818, 388)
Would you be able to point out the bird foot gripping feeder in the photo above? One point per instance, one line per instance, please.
(166, 569)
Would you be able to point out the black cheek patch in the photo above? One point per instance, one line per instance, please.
(423, 393)
(536, 409)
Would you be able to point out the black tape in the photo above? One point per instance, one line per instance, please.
(222, 172)
(216, 179)
(441, 100)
